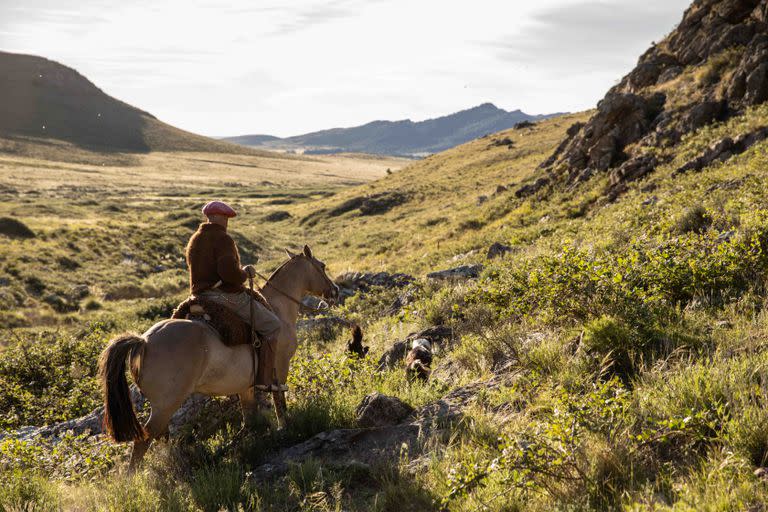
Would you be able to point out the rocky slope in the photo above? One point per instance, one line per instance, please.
(708, 69)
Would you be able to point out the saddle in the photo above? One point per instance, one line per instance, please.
(232, 329)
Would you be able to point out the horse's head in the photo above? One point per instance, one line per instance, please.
(318, 282)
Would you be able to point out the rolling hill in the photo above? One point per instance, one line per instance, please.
(399, 138)
(42, 100)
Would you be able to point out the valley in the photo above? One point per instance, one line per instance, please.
(600, 339)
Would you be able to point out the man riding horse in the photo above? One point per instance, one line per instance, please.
(215, 274)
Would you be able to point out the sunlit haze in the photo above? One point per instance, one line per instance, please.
(289, 67)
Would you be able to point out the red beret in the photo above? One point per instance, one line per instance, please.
(218, 208)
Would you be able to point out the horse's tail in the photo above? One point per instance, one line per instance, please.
(119, 415)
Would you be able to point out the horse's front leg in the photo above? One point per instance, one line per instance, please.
(249, 406)
(278, 397)
(282, 364)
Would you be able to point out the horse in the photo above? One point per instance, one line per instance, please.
(175, 358)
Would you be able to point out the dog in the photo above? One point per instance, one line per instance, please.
(418, 362)
(355, 346)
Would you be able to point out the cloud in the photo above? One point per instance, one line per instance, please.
(590, 35)
(316, 14)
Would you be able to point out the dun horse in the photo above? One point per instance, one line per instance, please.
(176, 358)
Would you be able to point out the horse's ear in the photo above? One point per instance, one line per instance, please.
(307, 251)
(289, 253)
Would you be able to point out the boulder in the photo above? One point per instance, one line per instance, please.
(531, 188)
(457, 273)
(498, 249)
(633, 169)
(364, 280)
(377, 410)
(702, 114)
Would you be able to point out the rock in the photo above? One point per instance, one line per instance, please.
(524, 124)
(723, 149)
(457, 273)
(531, 188)
(364, 280)
(506, 141)
(668, 74)
(394, 355)
(702, 114)
(324, 323)
(500, 189)
(726, 236)
(481, 200)
(497, 249)
(277, 216)
(439, 336)
(380, 203)
(720, 150)
(377, 410)
(650, 201)
(633, 169)
(761, 473)
(385, 445)
(92, 423)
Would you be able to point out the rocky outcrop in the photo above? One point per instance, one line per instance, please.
(728, 39)
(377, 410)
(723, 149)
(497, 249)
(361, 448)
(193, 411)
(351, 283)
(457, 273)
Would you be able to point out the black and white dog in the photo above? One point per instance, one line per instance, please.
(418, 361)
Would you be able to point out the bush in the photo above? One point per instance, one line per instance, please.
(693, 220)
(13, 228)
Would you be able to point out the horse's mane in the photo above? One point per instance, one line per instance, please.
(281, 267)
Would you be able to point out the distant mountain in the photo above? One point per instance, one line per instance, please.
(403, 138)
(42, 99)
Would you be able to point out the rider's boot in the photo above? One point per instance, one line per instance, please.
(266, 376)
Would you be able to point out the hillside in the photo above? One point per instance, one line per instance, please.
(611, 353)
(401, 138)
(42, 100)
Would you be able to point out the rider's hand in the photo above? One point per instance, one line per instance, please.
(250, 271)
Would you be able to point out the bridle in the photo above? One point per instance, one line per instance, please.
(287, 295)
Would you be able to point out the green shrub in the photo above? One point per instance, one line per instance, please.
(695, 219)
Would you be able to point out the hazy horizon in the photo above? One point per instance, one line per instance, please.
(299, 66)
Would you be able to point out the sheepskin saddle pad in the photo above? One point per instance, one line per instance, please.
(231, 328)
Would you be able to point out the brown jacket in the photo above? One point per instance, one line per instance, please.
(211, 257)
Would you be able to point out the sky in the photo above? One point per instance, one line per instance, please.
(286, 67)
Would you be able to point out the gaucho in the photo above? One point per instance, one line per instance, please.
(215, 274)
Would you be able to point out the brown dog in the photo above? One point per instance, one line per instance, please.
(355, 346)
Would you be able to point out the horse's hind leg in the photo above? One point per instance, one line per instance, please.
(157, 426)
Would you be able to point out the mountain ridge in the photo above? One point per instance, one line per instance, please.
(402, 137)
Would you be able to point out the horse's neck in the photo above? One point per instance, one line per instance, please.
(286, 282)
